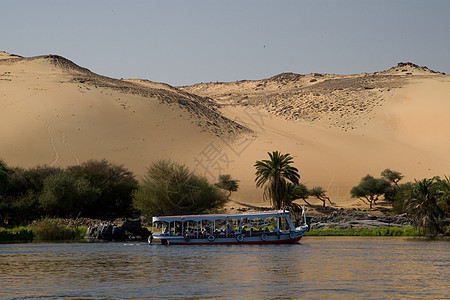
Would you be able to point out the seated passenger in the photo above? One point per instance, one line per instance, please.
(243, 230)
(228, 230)
(276, 229)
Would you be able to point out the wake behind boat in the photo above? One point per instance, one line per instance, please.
(268, 227)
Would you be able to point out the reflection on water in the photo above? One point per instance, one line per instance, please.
(318, 268)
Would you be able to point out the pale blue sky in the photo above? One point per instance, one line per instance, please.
(186, 42)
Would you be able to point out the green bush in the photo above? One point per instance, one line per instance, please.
(170, 188)
(48, 229)
(15, 234)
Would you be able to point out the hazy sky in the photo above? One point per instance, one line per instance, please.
(186, 42)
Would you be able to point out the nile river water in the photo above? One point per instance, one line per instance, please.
(316, 268)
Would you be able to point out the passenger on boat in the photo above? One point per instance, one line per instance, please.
(276, 230)
(228, 230)
(243, 230)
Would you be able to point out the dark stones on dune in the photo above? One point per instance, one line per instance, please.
(130, 230)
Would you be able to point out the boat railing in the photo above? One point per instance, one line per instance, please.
(231, 235)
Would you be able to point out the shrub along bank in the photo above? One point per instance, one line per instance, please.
(43, 230)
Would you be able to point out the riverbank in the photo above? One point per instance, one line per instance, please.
(43, 230)
(323, 222)
(382, 231)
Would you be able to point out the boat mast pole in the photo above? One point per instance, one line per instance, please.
(304, 214)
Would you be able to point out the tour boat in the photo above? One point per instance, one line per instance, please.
(265, 227)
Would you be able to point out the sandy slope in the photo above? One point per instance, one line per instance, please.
(62, 116)
(338, 128)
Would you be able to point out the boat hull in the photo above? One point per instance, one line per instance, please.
(264, 239)
(285, 241)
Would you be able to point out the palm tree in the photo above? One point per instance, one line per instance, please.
(444, 195)
(422, 206)
(273, 173)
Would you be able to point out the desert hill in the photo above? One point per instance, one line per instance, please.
(337, 127)
(326, 99)
(342, 127)
(54, 112)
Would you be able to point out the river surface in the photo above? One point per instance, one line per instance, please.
(316, 268)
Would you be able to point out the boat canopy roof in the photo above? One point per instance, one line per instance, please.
(214, 217)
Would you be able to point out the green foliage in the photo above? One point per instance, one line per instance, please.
(228, 184)
(403, 192)
(22, 209)
(48, 229)
(16, 234)
(114, 183)
(3, 182)
(320, 194)
(3, 187)
(384, 231)
(423, 208)
(443, 191)
(96, 189)
(392, 176)
(169, 188)
(21, 203)
(273, 175)
(29, 181)
(294, 192)
(66, 195)
(370, 189)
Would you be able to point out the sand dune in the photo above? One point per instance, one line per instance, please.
(338, 128)
(54, 112)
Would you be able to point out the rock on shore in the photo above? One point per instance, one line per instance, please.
(344, 219)
(129, 230)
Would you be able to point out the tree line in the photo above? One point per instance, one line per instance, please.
(427, 201)
(94, 189)
(100, 189)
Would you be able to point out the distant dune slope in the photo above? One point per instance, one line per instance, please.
(342, 127)
(330, 100)
(338, 128)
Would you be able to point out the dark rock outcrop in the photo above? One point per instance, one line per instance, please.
(130, 230)
(354, 219)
